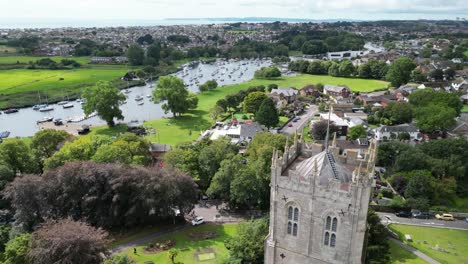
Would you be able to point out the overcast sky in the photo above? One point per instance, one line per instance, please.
(159, 9)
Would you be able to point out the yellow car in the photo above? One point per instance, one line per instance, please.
(446, 217)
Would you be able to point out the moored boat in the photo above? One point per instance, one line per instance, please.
(45, 119)
(46, 109)
(68, 105)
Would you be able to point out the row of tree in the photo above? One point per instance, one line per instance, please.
(398, 73)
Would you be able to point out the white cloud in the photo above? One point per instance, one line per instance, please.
(157, 9)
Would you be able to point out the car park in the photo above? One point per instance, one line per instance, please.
(198, 221)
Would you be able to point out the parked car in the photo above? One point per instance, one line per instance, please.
(404, 214)
(445, 217)
(290, 125)
(83, 130)
(422, 215)
(198, 221)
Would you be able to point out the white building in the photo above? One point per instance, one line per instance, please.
(385, 133)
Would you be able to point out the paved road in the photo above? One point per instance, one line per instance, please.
(415, 251)
(459, 224)
(304, 121)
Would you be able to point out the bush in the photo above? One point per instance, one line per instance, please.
(268, 72)
(387, 193)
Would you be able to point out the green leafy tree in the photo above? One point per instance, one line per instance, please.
(135, 55)
(247, 246)
(346, 68)
(216, 112)
(46, 142)
(429, 97)
(418, 76)
(153, 54)
(4, 237)
(16, 250)
(253, 101)
(223, 104)
(220, 186)
(16, 154)
(267, 115)
(421, 185)
(398, 113)
(111, 154)
(208, 85)
(357, 132)
(210, 158)
(172, 90)
(399, 71)
(388, 152)
(377, 251)
(436, 117)
(268, 73)
(105, 100)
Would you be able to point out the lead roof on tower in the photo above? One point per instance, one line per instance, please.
(328, 168)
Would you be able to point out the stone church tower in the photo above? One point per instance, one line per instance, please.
(318, 205)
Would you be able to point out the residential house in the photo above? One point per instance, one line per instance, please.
(340, 123)
(310, 90)
(334, 90)
(238, 133)
(289, 94)
(461, 129)
(384, 133)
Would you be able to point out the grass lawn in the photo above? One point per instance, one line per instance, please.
(120, 237)
(192, 245)
(454, 241)
(465, 107)
(466, 53)
(399, 255)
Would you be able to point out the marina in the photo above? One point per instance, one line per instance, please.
(24, 122)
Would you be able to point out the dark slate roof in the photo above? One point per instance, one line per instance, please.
(250, 130)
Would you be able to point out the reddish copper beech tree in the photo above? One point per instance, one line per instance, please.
(67, 242)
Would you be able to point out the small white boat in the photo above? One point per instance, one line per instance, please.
(148, 95)
(138, 98)
(45, 119)
(46, 109)
(127, 91)
(68, 105)
(141, 103)
(62, 103)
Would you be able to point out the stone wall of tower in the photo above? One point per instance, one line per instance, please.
(316, 202)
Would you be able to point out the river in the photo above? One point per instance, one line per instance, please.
(24, 122)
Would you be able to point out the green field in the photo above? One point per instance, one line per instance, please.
(399, 255)
(191, 242)
(454, 241)
(22, 86)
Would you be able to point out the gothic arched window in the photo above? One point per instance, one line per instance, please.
(333, 240)
(293, 220)
(331, 226)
